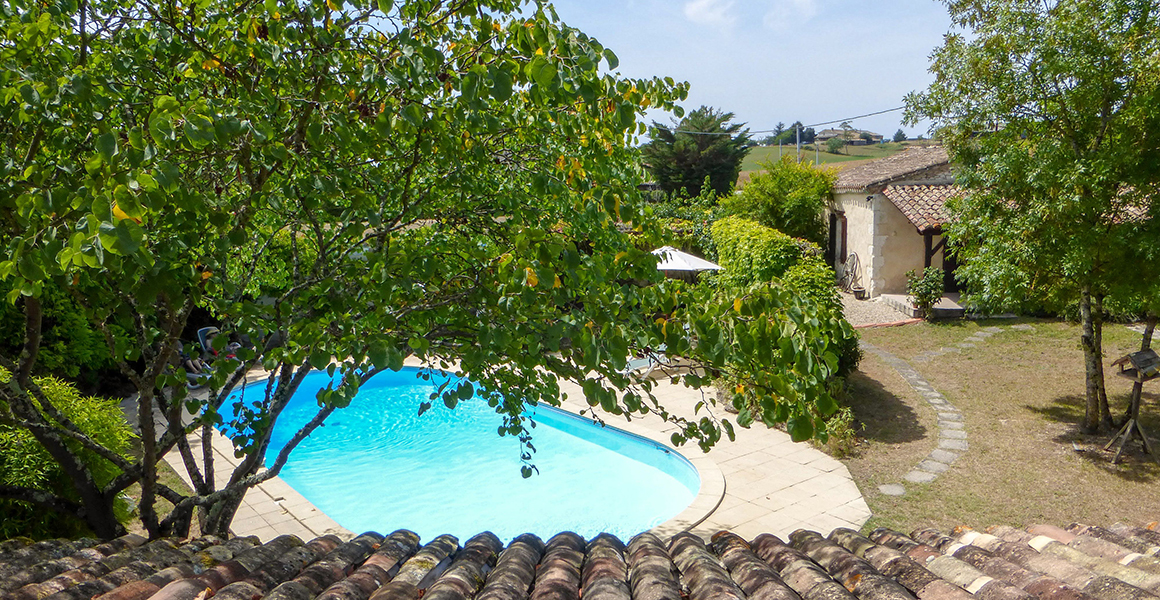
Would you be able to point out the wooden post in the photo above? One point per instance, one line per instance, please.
(1133, 427)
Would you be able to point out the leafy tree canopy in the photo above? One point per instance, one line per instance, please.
(703, 144)
(347, 185)
(1050, 111)
(899, 136)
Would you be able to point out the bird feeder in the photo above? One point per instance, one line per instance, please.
(1139, 366)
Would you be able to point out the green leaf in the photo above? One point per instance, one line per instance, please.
(29, 93)
(825, 404)
(319, 359)
(129, 236)
(541, 71)
(414, 114)
(385, 6)
(107, 146)
(613, 61)
(501, 85)
(199, 130)
(801, 428)
(166, 103)
(377, 353)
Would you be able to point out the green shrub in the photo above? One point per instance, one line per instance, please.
(841, 434)
(750, 252)
(70, 347)
(25, 463)
(788, 196)
(925, 290)
(687, 221)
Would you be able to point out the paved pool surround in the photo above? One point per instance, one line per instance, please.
(762, 482)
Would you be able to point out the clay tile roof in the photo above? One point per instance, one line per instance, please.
(923, 205)
(1041, 562)
(892, 168)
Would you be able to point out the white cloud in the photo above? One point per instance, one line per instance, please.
(787, 14)
(715, 13)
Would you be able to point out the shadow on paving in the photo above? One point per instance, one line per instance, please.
(1135, 465)
(885, 417)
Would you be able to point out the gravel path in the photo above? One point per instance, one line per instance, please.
(867, 312)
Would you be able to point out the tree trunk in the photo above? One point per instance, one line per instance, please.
(1091, 418)
(146, 507)
(1098, 329)
(97, 511)
(221, 514)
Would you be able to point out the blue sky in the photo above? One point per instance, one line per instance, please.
(775, 60)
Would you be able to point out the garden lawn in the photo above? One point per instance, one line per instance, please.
(1021, 395)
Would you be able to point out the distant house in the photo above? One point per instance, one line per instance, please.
(888, 215)
(853, 137)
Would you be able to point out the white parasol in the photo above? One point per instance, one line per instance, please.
(675, 260)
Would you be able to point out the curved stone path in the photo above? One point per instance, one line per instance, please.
(952, 436)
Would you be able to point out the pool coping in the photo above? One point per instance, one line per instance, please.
(274, 507)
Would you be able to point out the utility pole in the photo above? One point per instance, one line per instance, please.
(798, 129)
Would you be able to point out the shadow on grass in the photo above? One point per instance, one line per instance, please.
(885, 417)
(1135, 465)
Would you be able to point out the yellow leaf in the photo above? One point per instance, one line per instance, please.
(331, 5)
(539, 51)
(496, 27)
(557, 283)
(352, 95)
(619, 255)
(737, 305)
(121, 214)
(210, 64)
(206, 275)
(740, 389)
(532, 280)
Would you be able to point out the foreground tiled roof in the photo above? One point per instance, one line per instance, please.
(1041, 562)
(923, 205)
(908, 163)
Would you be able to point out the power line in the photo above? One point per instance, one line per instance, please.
(803, 126)
(881, 112)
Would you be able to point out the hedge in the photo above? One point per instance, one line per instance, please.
(750, 252)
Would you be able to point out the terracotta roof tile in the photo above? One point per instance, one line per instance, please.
(1042, 562)
(923, 205)
(895, 167)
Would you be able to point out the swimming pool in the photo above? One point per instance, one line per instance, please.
(378, 465)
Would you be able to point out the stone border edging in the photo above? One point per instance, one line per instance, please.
(298, 508)
(951, 433)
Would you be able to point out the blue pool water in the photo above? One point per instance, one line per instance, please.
(378, 465)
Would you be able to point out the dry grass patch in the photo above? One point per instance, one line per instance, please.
(896, 426)
(168, 477)
(1021, 393)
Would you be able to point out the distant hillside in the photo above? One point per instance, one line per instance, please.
(858, 155)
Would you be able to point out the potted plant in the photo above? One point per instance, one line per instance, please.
(925, 290)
